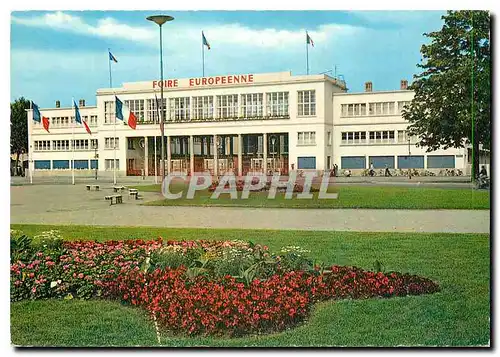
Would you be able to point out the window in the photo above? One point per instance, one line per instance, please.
(94, 144)
(60, 145)
(379, 162)
(440, 161)
(94, 164)
(353, 110)
(81, 164)
(277, 104)
(109, 164)
(109, 143)
(402, 104)
(410, 162)
(42, 164)
(93, 120)
(203, 107)
(42, 145)
(403, 137)
(136, 106)
(179, 109)
(130, 143)
(60, 164)
(306, 138)
(307, 103)
(329, 138)
(227, 106)
(251, 105)
(353, 162)
(381, 108)
(82, 144)
(109, 112)
(307, 163)
(381, 137)
(152, 111)
(353, 137)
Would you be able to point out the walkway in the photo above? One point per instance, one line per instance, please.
(66, 204)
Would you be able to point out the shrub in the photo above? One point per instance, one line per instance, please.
(293, 258)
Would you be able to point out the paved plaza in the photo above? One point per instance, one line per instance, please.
(68, 204)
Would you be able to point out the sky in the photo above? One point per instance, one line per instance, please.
(57, 55)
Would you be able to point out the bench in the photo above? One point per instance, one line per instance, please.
(118, 188)
(116, 198)
(133, 192)
(89, 187)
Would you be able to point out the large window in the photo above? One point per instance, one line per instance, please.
(353, 137)
(251, 105)
(42, 164)
(381, 108)
(60, 164)
(94, 144)
(307, 103)
(152, 111)
(277, 104)
(410, 162)
(402, 104)
(109, 143)
(379, 162)
(60, 145)
(381, 137)
(136, 106)
(306, 163)
(306, 138)
(179, 109)
(109, 112)
(42, 145)
(203, 107)
(403, 137)
(227, 106)
(109, 164)
(81, 164)
(353, 110)
(352, 162)
(93, 120)
(440, 161)
(82, 144)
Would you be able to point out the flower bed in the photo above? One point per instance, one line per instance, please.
(200, 287)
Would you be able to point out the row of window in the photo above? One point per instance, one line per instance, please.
(374, 108)
(249, 105)
(404, 162)
(78, 164)
(376, 137)
(65, 122)
(64, 145)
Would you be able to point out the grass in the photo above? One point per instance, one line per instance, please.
(457, 316)
(385, 197)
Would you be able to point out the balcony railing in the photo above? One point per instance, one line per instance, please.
(228, 118)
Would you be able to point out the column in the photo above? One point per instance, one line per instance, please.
(146, 158)
(216, 157)
(240, 155)
(169, 156)
(265, 153)
(191, 155)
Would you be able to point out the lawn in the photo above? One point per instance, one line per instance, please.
(457, 316)
(349, 197)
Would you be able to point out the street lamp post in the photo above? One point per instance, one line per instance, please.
(95, 157)
(160, 20)
(409, 158)
(273, 140)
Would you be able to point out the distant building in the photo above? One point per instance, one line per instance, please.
(245, 123)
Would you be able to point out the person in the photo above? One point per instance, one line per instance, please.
(483, 172)
(483, 177)
(372, 170)
(387, 172)
(347, 173)
(335, 170)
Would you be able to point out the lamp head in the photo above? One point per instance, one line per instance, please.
(159, 19)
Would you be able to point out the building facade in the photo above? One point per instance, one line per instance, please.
(236, 123)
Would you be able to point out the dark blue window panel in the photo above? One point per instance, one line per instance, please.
(42, 164)
(306, 162)
(81, 164)
(353, 162)
(440, 161)
(410, 162)
(60, 164)
(379, 162)
(94, 164)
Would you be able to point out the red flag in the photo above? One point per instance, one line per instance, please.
(132, 120)
(45, 122)
(86, 127)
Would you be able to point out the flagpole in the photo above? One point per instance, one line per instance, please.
(31, 165)
(307, 54)
(73, 147)
(114, 123)
(156, 164)
(202, 55)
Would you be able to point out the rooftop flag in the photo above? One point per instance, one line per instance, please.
(36, 112)
(309, 40)
(123, 112)
(112, 58)
(78, 119)
(204, 39)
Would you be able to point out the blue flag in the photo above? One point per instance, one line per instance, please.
(119, 108)
(112, 58)
(78, 118)
(36, 113)
(205, 42)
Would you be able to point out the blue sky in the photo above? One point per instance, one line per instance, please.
(59, 55)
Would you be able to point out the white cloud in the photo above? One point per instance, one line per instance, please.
(218, 34)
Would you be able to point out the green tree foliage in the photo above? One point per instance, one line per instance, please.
(454, 85)
(19, 127)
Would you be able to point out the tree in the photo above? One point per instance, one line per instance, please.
(19, 127)
(454, 89)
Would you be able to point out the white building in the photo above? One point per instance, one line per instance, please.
(240, 121)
